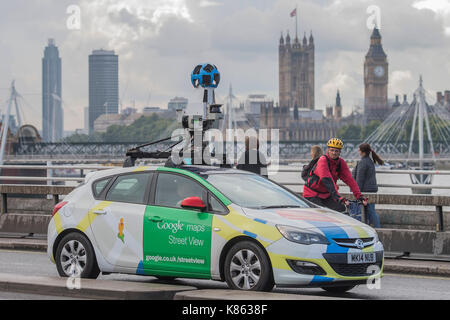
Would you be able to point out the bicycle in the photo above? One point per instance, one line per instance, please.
(354, 211)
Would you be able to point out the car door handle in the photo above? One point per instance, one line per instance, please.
(155, 219)
(99, 211)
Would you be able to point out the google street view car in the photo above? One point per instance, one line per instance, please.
(208, 223)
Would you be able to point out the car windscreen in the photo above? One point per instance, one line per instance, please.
(254, 191)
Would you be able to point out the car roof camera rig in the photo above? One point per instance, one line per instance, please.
(206, 76)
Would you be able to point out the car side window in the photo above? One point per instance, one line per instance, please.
(172, 189)
(129, 188)
(100, 185)
(215, 205)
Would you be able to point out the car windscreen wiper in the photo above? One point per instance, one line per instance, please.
(279, 206)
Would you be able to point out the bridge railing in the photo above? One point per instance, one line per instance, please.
(285, 148)
(388, 199)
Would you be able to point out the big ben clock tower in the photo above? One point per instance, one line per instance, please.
(376, 80)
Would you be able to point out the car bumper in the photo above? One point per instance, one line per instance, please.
(332, 267)
(52, 234)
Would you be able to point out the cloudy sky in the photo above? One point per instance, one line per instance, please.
(160, 41)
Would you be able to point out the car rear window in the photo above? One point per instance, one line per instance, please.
(100, 185)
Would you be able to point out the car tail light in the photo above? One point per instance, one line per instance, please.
(58, 206)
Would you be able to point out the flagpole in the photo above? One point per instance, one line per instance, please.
(296, 25)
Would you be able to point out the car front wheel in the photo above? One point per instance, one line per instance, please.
(248, 268)
(75, 257)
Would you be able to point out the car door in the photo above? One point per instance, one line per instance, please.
(177, 241)
(118, 227)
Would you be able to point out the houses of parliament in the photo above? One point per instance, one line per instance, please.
(296, 117)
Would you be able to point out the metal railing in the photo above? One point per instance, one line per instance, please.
(281, 170)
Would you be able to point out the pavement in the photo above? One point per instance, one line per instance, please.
(113, 289)
(90, 288)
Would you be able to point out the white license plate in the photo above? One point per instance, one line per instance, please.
(361, 257)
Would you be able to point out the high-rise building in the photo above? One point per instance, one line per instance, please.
(376, 105)
(103, 85)
(296, 72)
(52, 112)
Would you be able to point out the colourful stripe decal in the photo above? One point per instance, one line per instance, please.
(318, 279)
(261, 221)
(140, 269)
(362, 233)
(250, 234)
(58, 224)
(141, 168)
(330, 233)
(90, 216)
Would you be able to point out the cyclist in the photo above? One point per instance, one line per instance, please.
(321, 186)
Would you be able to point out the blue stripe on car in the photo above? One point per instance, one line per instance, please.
(260, 220)
(250, 234)
(331, 232)
(318, 279)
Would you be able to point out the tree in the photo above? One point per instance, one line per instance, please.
(141, 130)
(350, 132)
(369, 129)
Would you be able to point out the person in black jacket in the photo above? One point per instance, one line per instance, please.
(364, 174)
(316, 153)
(253, 160)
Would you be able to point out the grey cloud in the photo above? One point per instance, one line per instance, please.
(241, 37)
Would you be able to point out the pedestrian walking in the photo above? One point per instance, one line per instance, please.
(365, 176)
(316, 153)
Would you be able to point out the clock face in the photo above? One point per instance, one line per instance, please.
(378, 71)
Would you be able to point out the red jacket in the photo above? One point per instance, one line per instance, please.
(328, 175)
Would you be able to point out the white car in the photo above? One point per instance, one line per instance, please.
(209, 223)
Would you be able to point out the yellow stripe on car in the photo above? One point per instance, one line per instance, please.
(266, 231)
(279, 262)
(141, 168)
(363, 234)
(58, 223)
(90, 216)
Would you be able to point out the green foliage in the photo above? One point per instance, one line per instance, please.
(349, 132)
(369, 129)
(143, 129)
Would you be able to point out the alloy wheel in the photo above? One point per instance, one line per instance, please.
(245, 269)
(73, 258)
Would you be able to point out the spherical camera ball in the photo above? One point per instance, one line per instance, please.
(206, 76)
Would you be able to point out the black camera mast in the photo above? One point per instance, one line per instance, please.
(208, 77)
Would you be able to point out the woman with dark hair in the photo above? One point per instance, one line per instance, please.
(364, 174)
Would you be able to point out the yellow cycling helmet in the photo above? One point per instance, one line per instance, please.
(335, 143)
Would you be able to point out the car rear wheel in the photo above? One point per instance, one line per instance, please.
(340, 289)
(75, 257)
(248, 268)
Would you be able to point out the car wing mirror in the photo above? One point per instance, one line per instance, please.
(193, 203)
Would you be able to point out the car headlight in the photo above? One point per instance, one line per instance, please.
(301, 236)
(375, 238)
